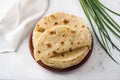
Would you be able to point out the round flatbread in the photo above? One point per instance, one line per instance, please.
(61, 46)
(61, 40)
(57, 19)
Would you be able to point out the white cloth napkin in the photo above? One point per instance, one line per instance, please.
(18, 21)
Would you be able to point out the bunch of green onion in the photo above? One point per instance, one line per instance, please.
(103, 25)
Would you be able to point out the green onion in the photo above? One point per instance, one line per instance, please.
(103, 25)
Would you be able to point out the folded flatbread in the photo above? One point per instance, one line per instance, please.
(56, 19)
(61, 40)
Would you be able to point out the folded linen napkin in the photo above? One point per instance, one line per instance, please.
(18, 21)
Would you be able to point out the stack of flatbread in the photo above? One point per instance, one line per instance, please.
(61, 40)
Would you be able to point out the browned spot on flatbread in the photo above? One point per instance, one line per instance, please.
(52, 32)
(64, 35)
(70, 50)
(52, 16)
(78, 43)
(41, 29)
(73, 32)
(39, 52)
(65, 21)
(49, 45)
(62, 55)
(42, 43)
(45, 23)
(62, 42)
(75, 25)
(56, 23)
(57, 48)
(71, 43)
(88, 46)
(54, 52)
(83, 26)
(67, 28)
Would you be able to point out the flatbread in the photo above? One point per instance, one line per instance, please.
(57, 19)
(61, 40)
(62, 46)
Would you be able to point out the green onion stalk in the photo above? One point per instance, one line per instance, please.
(103, 25)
